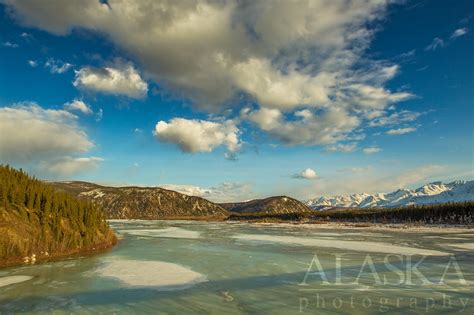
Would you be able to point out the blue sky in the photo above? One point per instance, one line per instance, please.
(233, 101)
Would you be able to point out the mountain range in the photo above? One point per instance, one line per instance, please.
(159, 203)
(432, 193)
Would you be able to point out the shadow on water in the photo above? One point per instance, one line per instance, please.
(129, 296)
(132, 295)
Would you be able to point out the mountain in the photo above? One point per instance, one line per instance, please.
(38, 223)
(275, 205)
(143, 202)
(432, 193)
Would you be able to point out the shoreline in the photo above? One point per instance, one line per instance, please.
(374, 226)
(40, 259)
(328, 225)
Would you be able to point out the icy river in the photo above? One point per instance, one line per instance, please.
(190, 267)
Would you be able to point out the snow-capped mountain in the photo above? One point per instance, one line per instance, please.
(436, 192)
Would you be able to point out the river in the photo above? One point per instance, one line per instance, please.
(193, 267)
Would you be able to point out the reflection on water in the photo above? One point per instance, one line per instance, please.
(238, 268)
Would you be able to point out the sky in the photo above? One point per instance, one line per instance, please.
(235, 100)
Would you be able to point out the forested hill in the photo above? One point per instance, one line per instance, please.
(150, 203)
(275, 205)
(38, 222)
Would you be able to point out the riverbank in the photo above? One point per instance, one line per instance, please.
(42, 257)
(416, 228)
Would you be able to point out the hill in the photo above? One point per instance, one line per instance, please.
(433, 193)
(276, 205)
(38, 222)
(149, 203)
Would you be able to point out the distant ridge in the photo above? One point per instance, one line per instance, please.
(432, 193)
(274, 205)
(143, 202)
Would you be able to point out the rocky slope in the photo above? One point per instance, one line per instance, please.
(274, 205)
(143, 202)
(432, 193)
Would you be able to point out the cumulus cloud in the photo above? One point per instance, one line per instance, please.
(224, 192)
(78, 105)
(33, 63)
(193, 136)
(67, 166)
(459, 32)
(306, 174)
(371, 150)
(346, 148)
(57, 66)
(306, 127)
(400, 131)
(286, 56)
(435, 44)
(48, 140)
(122, 79)
(45, 133)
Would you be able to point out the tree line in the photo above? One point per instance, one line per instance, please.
(447, 213)
(34, 217)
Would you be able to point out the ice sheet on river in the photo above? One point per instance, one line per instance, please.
(170, 232)
(158, 275)
(362, 246)
(4, 281)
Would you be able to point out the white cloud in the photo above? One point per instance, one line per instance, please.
(33, 63)
(122, 79)
(400, 131)
(46, 141)
(78, 105)
(10, 45)
(327, 127)
(371, 150)
(99, 115)
(288, 56)
(306, 174)
(67, 166)
(193, 136)
(459, 32)
(57, 66)
(346, 148)
(435, 44)
(30, 132)
(224, 192)
(395, 118)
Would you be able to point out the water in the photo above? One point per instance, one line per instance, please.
(184, 267)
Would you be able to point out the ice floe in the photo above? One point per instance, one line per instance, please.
(443, 237)
(362, 246)
(170, 232)
(468, 246)
(158, 275)
(4, 281)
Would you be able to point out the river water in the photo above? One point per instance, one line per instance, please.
(190, 267)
